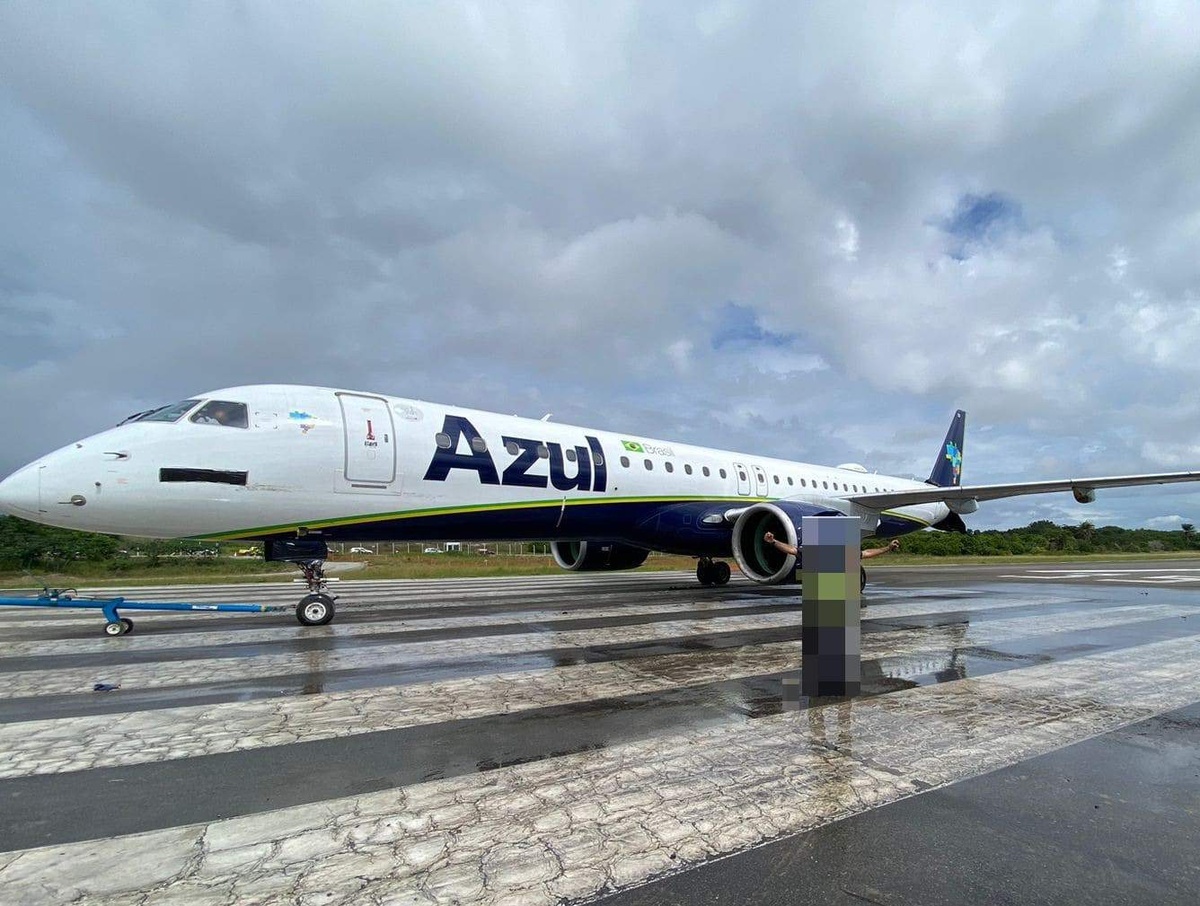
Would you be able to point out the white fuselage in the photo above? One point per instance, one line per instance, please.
(368, 465)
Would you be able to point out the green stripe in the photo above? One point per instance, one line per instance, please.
(453, 510)
(906, 516)
(255, 531)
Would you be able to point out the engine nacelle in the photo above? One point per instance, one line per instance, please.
(597, 556)
(764, 562)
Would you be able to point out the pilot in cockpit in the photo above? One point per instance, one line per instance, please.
(220, 412)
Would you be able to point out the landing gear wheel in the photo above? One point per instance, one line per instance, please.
(314, 610)
(706, 572)
(115, 628)
(128, 624)
(721, 573)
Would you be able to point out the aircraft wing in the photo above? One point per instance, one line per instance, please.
(1083, 488)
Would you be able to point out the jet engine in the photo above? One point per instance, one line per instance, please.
(597, 556)
(764, 562)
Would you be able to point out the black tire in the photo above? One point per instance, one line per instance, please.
(314, 610)
(704, 573)
(128, 624)
(721, 573)
(117, 628)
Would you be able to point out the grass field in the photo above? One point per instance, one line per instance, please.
(425, 566)
(252, 569)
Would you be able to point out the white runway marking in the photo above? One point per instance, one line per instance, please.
(1136, 576)
(568, 827)
(82, 743)
(574, 826)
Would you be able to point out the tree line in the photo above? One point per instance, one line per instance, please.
(1046, 537)
(29, 546)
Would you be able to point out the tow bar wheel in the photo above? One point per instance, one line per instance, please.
(314, 610)
(123, 626)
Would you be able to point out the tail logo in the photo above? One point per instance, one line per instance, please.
(955, 456)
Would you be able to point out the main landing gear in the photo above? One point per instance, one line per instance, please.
(712, 572)
(316, 607)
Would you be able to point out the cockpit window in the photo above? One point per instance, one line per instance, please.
(171, 413)
(222, 412)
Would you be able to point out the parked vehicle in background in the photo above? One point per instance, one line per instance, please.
(433, 550)
(361, 550)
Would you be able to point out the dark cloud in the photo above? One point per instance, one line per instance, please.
(809, 231)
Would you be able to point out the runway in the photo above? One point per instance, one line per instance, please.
(616, 736)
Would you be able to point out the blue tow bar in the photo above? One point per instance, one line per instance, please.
(119, 625)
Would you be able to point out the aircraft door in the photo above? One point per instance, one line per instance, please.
(370, 440)
(743, 479)
(760, 482)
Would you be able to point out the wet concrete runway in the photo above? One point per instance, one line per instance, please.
(562, 739)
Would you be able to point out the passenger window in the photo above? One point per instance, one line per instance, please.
(804, 482)
(790, 482)
(687, 468)
(723, 475)
(478, 444)
(705, 471)
(570, 454)
(442, 439)
(222, 412)
(777, 479)
(625, 461)
(670, 468)
(649, 464)
(826, 485)
(512, 448)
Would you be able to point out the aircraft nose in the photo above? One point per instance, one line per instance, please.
(21, 492)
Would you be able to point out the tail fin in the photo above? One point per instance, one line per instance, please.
(947, 468)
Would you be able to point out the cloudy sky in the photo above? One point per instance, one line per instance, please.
(804, 230)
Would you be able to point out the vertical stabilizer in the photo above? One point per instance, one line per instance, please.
(947, 468)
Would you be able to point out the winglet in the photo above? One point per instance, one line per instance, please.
(947, 468)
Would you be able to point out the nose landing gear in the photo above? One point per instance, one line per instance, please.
(308, 553)
(316, 607)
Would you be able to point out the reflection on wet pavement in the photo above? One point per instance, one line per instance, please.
(589, 700)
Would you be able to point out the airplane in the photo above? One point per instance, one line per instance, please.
(296, 467)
